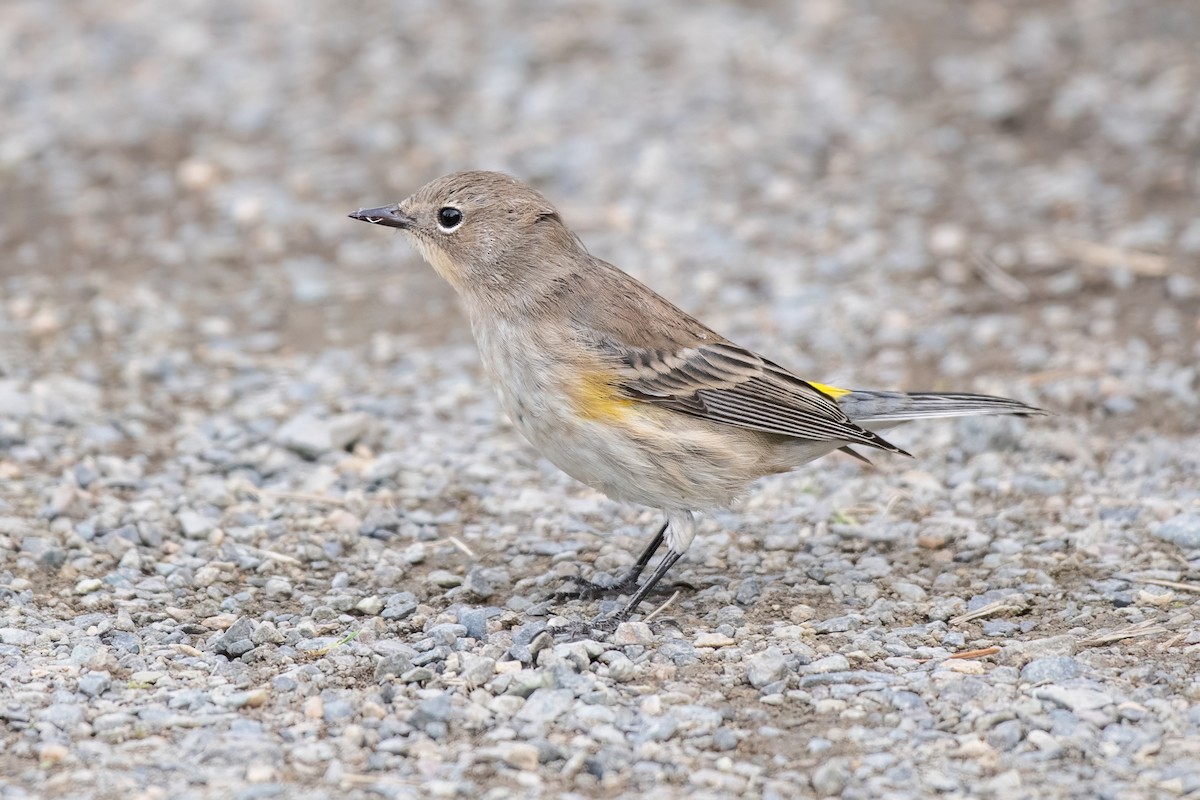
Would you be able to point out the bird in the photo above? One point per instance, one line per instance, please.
(618, 387)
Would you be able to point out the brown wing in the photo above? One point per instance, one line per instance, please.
(666, 357)
(726, 383)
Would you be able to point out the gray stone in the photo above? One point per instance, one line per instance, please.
(447, 633)
(528, 640)
(476, 670)
(546, 705)
(658, 729)
(62, 397)
(474, 621)
(748, 591)
(126, 642)
(94, 684)
(1051, 669)
(14, 401)
(724, 739)
(266, 633)
(521, 755)
(63, 716)
(1181, 529)
(831, 663)
(278, 588)
(1006, 735)
(838, 624)
(477, 585)
(909, 591)
(680, 653)
(766, 667)
(431, 714)
(399, 606)
(237, 640)
(17, 637)
(628, 633)
(1074, 700)
(444, 579)
(194, 524)
(370, 606)
(313, 436)
(392, 665)
(337, 710)
(112, 721)
(620, 668)
(342, 603)
(418, 675)
(830, 777)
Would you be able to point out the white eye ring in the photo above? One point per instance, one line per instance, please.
(449, 218)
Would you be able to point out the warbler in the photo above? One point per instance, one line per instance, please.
(615, 385)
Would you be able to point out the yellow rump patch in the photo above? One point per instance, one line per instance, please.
(595, 398)
(832, 391)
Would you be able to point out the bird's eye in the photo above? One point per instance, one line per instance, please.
(449, 218)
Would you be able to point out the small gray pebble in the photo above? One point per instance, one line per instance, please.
(236, 640)
(1051, 669)
(748, 592)
(767, 667)
(546, 705)
(477, 585)
(63, 716)
(830, 777)
(284, 683)
(474, 621)
(1181, 529)
(724, 739)
(418, 675)
(337, 710)
(391, 666)
(1006, 735)
(94, 684)
(447, 633)
(524, 638)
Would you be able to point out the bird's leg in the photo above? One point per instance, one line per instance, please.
(625, 613)
(589, 590)
(678, 533)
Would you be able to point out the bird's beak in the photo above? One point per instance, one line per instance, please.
(391, 216)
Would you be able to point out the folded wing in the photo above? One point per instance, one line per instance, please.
(722, 382)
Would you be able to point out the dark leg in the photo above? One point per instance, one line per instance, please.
(663, 567)
(626, 583)
(681, 525)
(635, 572)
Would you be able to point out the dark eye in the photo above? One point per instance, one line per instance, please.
(449, 218)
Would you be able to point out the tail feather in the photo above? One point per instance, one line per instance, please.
(884, 409)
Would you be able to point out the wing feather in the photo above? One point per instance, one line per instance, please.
(722, 382)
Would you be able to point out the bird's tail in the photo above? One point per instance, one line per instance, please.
(878, 410)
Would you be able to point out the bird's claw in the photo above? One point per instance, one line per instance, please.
(597, 628)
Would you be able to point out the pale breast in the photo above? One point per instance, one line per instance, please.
(628, 450)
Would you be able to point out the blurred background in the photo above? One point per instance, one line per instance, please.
(995, 194)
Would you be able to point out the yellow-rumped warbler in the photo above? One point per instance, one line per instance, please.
(616, 386)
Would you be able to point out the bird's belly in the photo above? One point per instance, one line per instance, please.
(629, 450)
(633, 451)
(602, 453)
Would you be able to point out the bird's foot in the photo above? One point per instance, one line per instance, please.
(598, 628)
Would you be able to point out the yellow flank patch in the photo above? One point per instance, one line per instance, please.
(832, 391)
(595, 398)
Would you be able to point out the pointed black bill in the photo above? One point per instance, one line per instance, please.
(391, 216)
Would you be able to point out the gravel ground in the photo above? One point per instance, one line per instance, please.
(264, 533)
